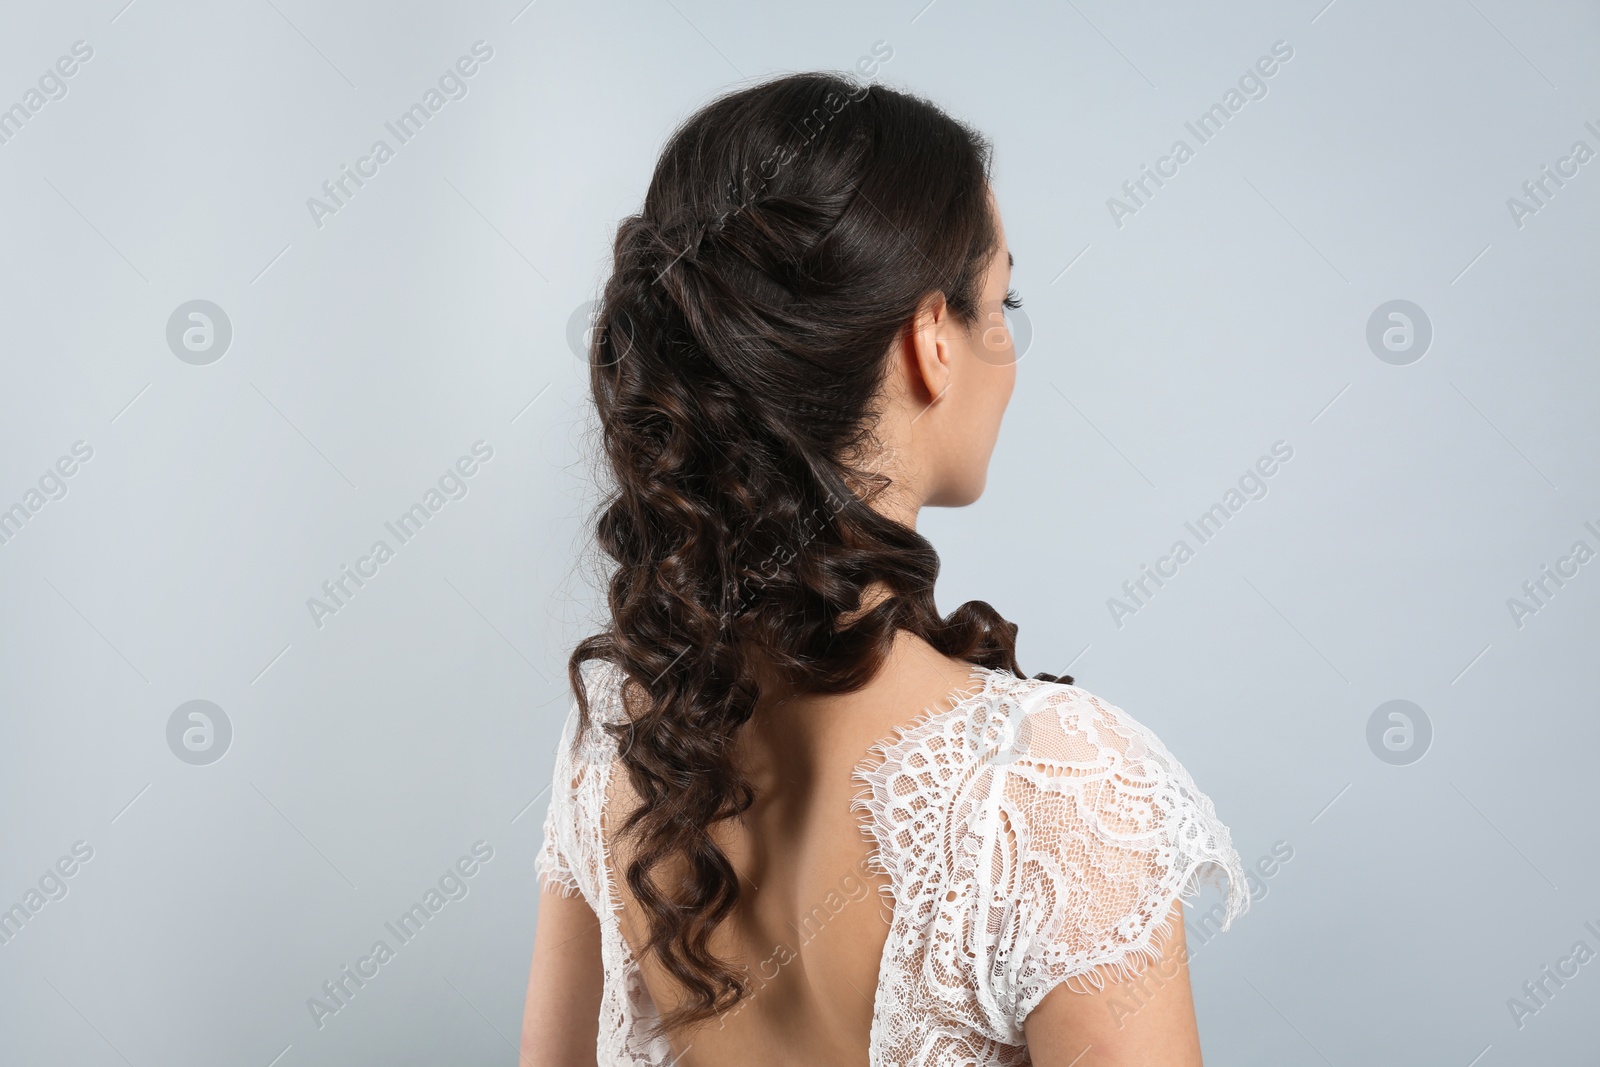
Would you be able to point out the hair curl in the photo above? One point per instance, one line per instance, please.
(788, 236)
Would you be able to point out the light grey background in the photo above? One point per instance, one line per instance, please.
(431, 311)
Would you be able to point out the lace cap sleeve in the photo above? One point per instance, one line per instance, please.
(568, 858)
(1093, 830)
(553, 861)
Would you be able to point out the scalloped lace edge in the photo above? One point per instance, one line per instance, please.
(1131, 960)
(982, 682)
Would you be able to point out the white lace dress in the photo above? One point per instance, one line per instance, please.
(1031, 833)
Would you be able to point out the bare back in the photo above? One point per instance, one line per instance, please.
(812, 921)
(1036, 840)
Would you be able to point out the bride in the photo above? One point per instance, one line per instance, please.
(798, 816)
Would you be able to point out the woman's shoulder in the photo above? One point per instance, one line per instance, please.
(1041, 722)
(1106, 829)
(585, 735)
(1000, 718)
(569, 860)
(1049, 768)
(1048, 830)
(586, 748)
(1061, 757)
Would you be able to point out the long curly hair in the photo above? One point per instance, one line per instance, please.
(790, 231)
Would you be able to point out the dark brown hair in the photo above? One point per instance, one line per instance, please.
(788, 236)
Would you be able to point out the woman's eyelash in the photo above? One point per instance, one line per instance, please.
(1012, 300)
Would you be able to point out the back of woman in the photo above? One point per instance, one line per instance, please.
(797, 815)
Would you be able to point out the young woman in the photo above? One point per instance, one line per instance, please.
(798, 816)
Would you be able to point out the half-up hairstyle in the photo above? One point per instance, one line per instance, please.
(790, 232)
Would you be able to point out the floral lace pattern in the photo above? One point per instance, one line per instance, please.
(1032, 835)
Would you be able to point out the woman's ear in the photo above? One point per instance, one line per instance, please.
(928, 361)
